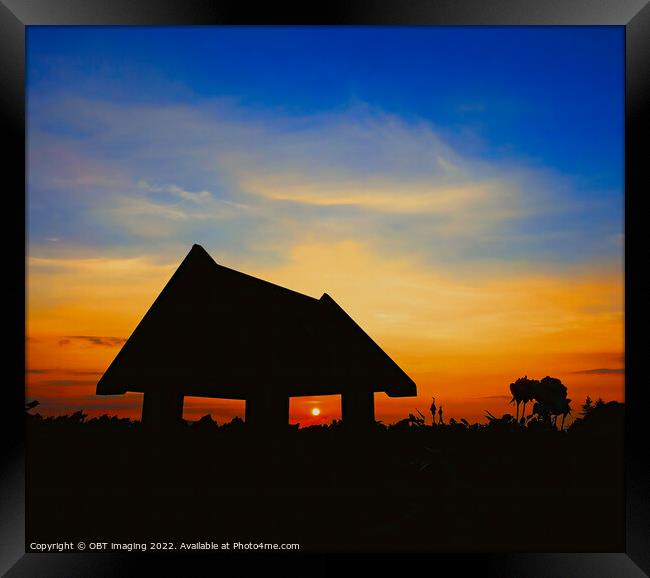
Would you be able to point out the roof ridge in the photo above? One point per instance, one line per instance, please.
(248, 277)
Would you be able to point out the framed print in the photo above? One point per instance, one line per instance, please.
(363, 281)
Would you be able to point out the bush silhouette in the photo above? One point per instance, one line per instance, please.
(325, 487)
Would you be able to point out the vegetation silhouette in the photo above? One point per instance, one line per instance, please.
(549, 394)
(490, 486)
(523, 390)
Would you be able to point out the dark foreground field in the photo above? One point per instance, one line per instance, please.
(498, 487)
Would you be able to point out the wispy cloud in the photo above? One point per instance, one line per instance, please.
(219, 172)
(73, 372)
(602, 370)
(66, 382)
(94, 340)
(67, 371)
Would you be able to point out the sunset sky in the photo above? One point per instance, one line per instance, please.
(459, 191)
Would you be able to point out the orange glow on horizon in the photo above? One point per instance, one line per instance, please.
(462, 337)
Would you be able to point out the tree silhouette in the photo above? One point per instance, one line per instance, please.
(587, 406)
(550, 396)
(542, 411)
(563, 408)
(523, 390)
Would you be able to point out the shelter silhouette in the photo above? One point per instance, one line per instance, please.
(216, 332)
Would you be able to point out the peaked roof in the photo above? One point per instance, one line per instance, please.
(216, 332)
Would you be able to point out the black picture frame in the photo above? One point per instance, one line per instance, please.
(634, 15)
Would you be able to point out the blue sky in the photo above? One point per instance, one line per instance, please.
(546, 101)
(519, 86)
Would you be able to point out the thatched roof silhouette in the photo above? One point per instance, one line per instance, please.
(216, 332)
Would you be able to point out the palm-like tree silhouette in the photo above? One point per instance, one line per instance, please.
(523, 390)
(550, 396)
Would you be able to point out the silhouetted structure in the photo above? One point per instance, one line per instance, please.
(216, 332)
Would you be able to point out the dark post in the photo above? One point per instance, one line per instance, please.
(358, 408)
(267, 411)
(162, 408)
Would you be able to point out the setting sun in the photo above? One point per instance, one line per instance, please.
(315, 411)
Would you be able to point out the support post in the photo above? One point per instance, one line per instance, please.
(162, 408)
(358, 409)
(268, 411)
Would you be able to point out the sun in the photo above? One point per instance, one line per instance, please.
(315, 411)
